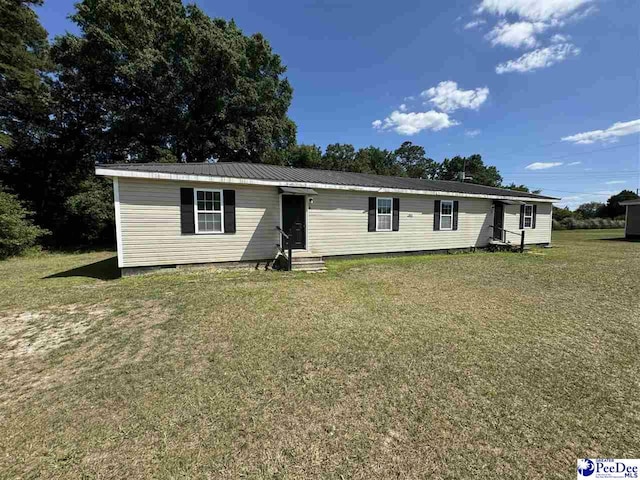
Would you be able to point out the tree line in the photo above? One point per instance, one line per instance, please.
(611, 209)
(149, 81)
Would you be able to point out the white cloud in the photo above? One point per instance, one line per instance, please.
(542, 165)
(447, 97)
(615, 182)
(573, 163)
(516, 35)
(414, 122)
(582, 13)
(560, 38)
(611, 134)
(541, 58)
(474, 24)
(537, 10)
(472, 133)
(403, 107)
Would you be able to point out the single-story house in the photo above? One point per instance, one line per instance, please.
(632, 219)
(177, 214)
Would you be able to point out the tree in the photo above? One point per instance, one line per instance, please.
(340, 157)
(17, 232)
(473, 166)
(591, 210)
(303, 156)
(412, 158)
(520, 188)
(148, 80)
(560, 214)
(90, 213)
(145, 80)
(23, 61)
(516, 188)
(376, 160)
(614, 209)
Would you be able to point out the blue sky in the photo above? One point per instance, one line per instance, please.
(546, 90)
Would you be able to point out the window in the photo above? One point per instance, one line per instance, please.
(383, 214)
(528, 216)
(208, 210)
(446, 215)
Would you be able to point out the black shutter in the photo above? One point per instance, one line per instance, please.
(396, 214)
(187, 218)
(535, 214)
(372, 214)
(229, 197)
(436, 215)
(455, 214)
(521, 217)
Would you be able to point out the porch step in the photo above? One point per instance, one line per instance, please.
(307, 262)
(309, 268)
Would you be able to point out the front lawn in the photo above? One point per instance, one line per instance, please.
(454, 366)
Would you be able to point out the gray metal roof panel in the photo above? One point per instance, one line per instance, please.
(258, 171)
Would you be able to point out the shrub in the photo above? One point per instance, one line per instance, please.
(17, 232)
(589, 223)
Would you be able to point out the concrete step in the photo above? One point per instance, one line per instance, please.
(310, 269)
(308, 265)
(317, 258)
(306, 261)
(305, 254)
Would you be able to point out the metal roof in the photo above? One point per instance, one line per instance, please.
(259, 171)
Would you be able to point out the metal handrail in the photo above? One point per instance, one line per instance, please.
(504, 230)
(285, 240)
(282, 232)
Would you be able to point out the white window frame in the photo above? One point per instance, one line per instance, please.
(525, 216)
(442, 203)
(390, 215)
(196, 211)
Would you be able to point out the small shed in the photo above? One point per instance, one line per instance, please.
(632, 219)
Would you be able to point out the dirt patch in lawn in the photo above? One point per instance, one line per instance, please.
(37, 333)
(53, 347)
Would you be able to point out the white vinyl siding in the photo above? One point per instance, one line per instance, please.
(150, 224)
(540, 234)
(337, 224)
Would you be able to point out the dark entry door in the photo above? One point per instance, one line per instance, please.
(498, 221)
(294, 219)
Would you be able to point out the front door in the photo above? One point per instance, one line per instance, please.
(294, 220)
(498, 221)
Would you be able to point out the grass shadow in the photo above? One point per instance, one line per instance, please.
(618, 239)
(102, 270)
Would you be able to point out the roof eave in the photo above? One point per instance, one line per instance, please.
(183, 177)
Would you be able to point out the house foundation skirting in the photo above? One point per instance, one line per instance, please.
(240, 265)
(443, 251)
(266, 264)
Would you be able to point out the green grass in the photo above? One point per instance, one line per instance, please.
(444, 366)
